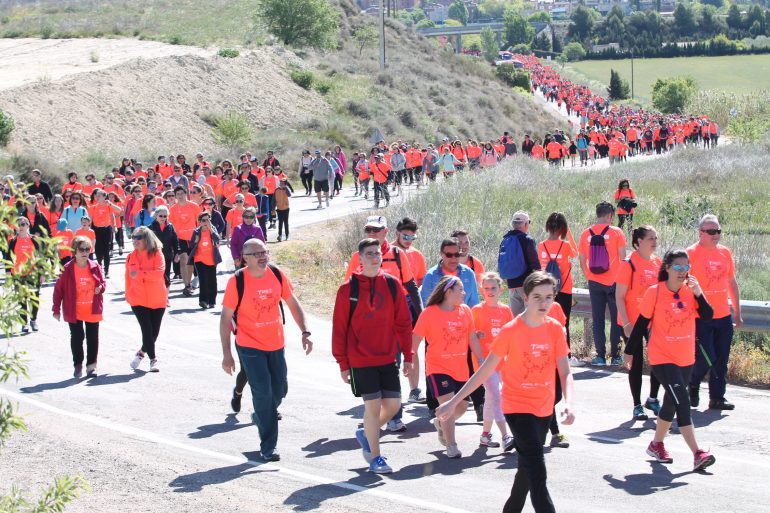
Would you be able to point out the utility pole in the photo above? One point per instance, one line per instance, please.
(632, 74)
(382, 35)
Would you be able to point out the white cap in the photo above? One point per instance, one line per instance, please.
(520, 217)
(376, 222)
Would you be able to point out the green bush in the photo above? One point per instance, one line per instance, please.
(303, 78)
(176, 39)
(7, 125)
(233, 130)
(673, 94)
(301, 23)
(574, 51)
(229, 53)
(323, 87)
(512, 76)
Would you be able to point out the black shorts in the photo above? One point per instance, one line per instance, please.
(184, 246)
(321, 185)
(443, 384)
(376, 382)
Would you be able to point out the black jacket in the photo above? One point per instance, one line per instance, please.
(168, 238)
(43, 189)
(529, 248)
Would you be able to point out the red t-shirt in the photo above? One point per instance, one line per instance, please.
(184, 218)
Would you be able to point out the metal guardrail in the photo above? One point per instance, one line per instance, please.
(756, 314)
(462, 31)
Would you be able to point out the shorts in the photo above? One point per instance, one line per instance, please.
(376, 382)
(184, 246)
(321, 185)
(443, 384)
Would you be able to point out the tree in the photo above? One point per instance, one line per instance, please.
(458, 11)
(582, 23)
(522, 49)
(574, 51)
(618, 89)
(542, 42)
(426, 23)
(672, 94)
(489, 48)
(517, 29)
(715, 3)
(301, 22)
(556, 43)
(7, 126)
(684, 20)
(495, 9)
(755, 19)
(614, 28)
(710, 23)
(540, 16)
(365, 36)
(734, 18)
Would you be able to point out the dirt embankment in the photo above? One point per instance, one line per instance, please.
(146, 104)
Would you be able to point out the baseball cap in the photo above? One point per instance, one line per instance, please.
(380, 155)
(376, 222)
(520, 217)
(317, 152)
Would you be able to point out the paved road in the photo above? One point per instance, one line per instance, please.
(168, 442)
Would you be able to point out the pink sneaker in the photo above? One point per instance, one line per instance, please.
(703, 459)
(659, 452)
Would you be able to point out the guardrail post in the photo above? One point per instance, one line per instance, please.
(588, 333)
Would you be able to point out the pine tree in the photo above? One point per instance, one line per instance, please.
(618, 89)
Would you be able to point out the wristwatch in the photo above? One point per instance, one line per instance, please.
(306, 333)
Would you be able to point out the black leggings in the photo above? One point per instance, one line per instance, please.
(307, 182)
(554, 425)
(29, 307)
(622, 219)
(675, 381)
(102, 246)
(635, 375)
(283, 222)
(529, 433)
(149, 321)
(91, 336)
(119, 237)
(207, 276)
(565, 301)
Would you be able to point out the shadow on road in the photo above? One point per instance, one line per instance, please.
(356, 412)
(107, 379)
(312, 497)
(708, 417)
(196, 481)
(629, 429)
(587, 374)
(231, 423)
(42, 387)
(660, 480)
(325, 447)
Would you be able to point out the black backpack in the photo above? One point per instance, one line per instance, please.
(397, 259)
(240, 285)
(354, 291)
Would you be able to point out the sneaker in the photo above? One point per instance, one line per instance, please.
(599, 361)
(694, 396)
(415, 396)
(78, 372)
(453, 452)
(441, 439)
(194, 283)
(279, 238)
(659, 452)
(188, 292)
(617, 361)
(25, 329)
(431, 413)
(714, 404)
(486, 441)
(396, 426)
(319, 207)
(639, 413)
(235, 402)
(574, 362)
(364, 443)
(508, 443)
(33, 325)
(652, 404)
(559, 440)
(137, 360)
(273, 456)
(154, 365)
(379, 465)
(703, 459)
(91, 370)
(479, 412)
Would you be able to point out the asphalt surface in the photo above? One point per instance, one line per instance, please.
(169, 442)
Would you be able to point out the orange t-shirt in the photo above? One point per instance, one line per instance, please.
(645, 276)
(23, 251)
(101, 215)
(85, 284)
(204, 252)
(234, 217)
(270, 183)
(74, 187)
(624, 193)
(672, 336)
(82, 232)
(65, 245)
(556, 312)
(714, 268)
(529, 365)
(489, 320)
(417, 263)
(185, 219)
(249, 200)
(475, 265)
(447, 334)
(614, 239)
(228, 189)
(259, 319)
(561, 251)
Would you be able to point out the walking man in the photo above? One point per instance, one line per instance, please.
(323, 176)
(517, 259)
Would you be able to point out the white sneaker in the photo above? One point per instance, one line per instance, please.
(194, 282)
(396, 426)
(154, 365)
(486, 441)
(440, 431)
(574, 362)
(137, 360)
(453, 452)
(33, 325)
(91, 370)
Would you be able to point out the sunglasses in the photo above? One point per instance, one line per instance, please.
(84, 249)
(248, 217)
(679, 303)
(137, 237)
(712, 231)
(408, 237)
(453, 255)
(161, 216)
(370, 229)
(258, 254)
(239, 201)
(680, 268)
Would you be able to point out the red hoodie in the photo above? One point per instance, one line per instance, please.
(378, 327)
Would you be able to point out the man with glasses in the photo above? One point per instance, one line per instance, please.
(713, 266)
(177, 178)
(251, 311)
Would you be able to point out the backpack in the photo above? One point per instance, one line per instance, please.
(598, 256)
(510, 259)
(553, 268)
(633, 270)
(240, 285)
(397, 259)
(392, 285)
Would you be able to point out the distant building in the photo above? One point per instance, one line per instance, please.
(562, 9)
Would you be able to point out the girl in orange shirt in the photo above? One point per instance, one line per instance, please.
(447, 324)
(22, 250)
(670, 308)
(530, 348)
(488, 318)
(624, 191)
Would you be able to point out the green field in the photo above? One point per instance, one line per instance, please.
(738, 74)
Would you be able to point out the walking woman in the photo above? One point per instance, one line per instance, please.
(102, 214)
(75, 211)
(146, 291)
(38, 224)
(55, 210)
(79, 294)
(204, 255)
(282, 195)
(671, 307)
(144, 216)
(488, 155)
(527, 371)
(217, 221)
(22, 250)
(305, 173)
(625, 200)
(447, 324)
(166, 234)
(636, 274)
(117, 220)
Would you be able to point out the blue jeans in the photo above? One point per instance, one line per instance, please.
(266, 371)
(603, 296)
(715, 338)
